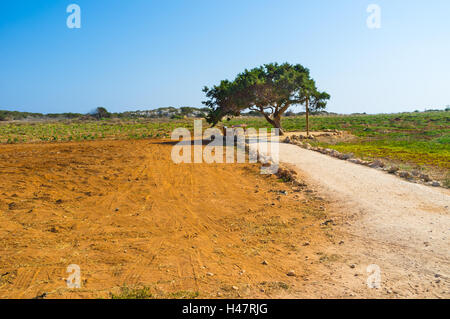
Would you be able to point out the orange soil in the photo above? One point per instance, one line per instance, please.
(127, 215)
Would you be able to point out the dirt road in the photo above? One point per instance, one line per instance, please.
(402, 227)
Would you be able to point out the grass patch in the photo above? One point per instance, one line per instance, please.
(78, 130)
(145, 293)
(133, 293)
(419, 153)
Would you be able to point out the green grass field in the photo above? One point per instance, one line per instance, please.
(62, 131)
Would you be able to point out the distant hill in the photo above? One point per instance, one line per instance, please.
(16, 115)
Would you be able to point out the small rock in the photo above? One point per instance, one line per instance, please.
(425, 177)
(264, 263)
(376, 164)
(346, 156)
(291, 273)
(436, 184)
(415, 172)
(235, 288)
(329, 221)
(352, 266)
(306, 244)
(335, 153)
(210, 274)
(355, 161)
(116, 210)
(393, 169)
(404, 174)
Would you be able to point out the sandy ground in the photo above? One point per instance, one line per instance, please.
(128, 216)
(402, 227)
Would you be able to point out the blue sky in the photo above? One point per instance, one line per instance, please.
(143, 54)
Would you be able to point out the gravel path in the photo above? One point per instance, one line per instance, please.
(402, 227)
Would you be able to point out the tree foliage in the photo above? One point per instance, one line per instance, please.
(269, 89)
(101, 112)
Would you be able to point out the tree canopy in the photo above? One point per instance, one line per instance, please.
(101, 112)
(269, 89)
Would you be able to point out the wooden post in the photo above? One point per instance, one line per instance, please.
(307, 117)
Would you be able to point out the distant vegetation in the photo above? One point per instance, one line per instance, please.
(101, 113)
(18, 116)
(167, 112)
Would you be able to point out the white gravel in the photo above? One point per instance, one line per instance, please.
(401, 226)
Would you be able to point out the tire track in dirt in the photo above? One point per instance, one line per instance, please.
(176, 223)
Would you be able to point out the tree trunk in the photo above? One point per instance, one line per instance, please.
(275, 122)
(307, 116)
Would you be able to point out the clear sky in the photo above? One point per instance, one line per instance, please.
(143, 54)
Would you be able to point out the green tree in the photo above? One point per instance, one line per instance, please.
(269, 89)
(101, 113)
(312, 99)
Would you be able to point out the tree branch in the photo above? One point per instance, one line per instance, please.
(261, 110)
